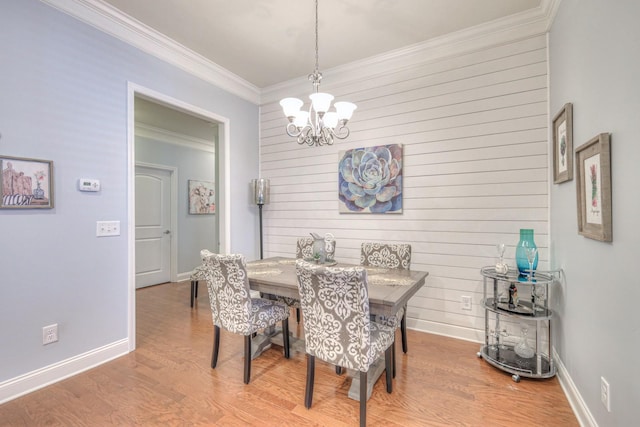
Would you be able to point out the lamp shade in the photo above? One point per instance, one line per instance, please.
(321, 101)
(330, 119)
(260, 191)
(301, 119)
(345, 110)
(291, 106)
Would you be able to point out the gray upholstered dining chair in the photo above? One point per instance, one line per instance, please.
(304, 250)
(337, 325)
(196, 275)
(392, 256)
(233, 308)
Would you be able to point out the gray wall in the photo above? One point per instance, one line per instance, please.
(64, 98)
(595, 65)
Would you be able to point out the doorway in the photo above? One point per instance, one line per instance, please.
(218, 163)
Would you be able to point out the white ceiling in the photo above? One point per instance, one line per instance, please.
(271, 41)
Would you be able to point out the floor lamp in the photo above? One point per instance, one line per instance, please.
(260, 197)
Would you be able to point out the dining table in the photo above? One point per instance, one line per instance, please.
(389, 290)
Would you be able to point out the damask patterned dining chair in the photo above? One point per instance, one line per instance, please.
(196, 275)
(337, 325)
(304, 250)
(233, 309)
(392, 256)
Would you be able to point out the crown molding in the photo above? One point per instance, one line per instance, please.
(519, 26)
(159, 134)
(110, 20)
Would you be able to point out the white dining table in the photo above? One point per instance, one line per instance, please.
(389, 290)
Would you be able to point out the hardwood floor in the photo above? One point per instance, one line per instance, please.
(168, 381)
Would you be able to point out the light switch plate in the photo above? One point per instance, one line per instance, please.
(107, 228)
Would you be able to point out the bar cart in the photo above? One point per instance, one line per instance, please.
(530, 313)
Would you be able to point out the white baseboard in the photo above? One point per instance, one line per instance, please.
(451, 331)
(578, 405)
(183, 277)
(19, 386)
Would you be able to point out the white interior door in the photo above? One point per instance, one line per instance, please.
(153, 226)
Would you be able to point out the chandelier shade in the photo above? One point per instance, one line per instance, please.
(318, 125)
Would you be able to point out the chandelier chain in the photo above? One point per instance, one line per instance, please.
(317, 61)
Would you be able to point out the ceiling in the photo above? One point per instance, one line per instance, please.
(266, 42)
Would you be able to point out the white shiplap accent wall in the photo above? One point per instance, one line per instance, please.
(474, 131)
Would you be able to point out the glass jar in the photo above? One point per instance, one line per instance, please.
(526, 241)
(319, 251)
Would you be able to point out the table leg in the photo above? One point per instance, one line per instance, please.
(273, 335)
(375, 371)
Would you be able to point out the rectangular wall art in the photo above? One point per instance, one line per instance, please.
(370, 180)
(202, 197)
(26, 183)
(593, 168)
(563, 145)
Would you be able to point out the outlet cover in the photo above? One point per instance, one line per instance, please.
(466, 303)
(49, 334)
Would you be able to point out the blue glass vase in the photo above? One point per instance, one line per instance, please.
(526, 241)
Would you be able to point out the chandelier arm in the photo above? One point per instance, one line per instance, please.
(342, 131)
(292, 130)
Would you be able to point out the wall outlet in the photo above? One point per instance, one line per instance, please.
(466, 302)
(49, 334)
(605, 394)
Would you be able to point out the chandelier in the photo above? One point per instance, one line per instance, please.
(318, 126)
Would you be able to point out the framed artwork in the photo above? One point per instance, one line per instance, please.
(593, 168)
(563, 145)
(202, 197)
(370, 180)
(26, 183)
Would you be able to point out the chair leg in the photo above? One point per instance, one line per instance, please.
(363, 399)
(393, 356)
(298, 315)
(403, 329)
(247, 358)
(216, 345)
(193, 291)
(308, 393)
(388, 356)
(285, 337)
(197, 286)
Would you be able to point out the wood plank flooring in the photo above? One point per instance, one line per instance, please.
(168, 381)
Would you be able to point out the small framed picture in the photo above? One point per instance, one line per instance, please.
(26, 183)
(593, 168)
(202, 197)
(563, 145)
